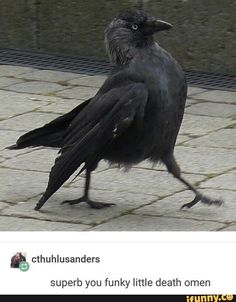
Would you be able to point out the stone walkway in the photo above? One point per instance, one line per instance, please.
(147, 198)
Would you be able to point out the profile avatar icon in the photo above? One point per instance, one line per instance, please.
(17, 259)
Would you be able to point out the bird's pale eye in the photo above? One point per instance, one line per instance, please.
(134, 26)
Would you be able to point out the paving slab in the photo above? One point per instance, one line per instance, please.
(7, 81)
(190, 102)
(231, 228)
(53, 210)
(14, 104)
(212, 109)
(224, 138)
(200, 160)
(49, 99)
(81, 93)
(170, 207)
(136, 180)
(196, 125)
(50, 76)
(90, 81)
(36, 87)
(147, 223)
(218, 96)
(27, 121)
(23, 224)
(7, 138)
(61, 106)
(195, 90)
(37, 160)
(146, 164)
(18, 185)
(2, 158)
(182, 138)
(3, 205)
(205, 160)
(225, 181)
(9, 70)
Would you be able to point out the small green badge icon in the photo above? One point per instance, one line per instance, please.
(24, 266)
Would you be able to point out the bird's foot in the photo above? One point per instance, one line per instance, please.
(203, 199)
(99, 205)
(92, 204)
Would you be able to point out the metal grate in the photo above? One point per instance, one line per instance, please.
(211, 80)
(92, 67)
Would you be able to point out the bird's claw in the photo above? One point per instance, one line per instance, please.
(74, 201)
(92, 204)
(209, 201)
(203, 199)
(99, 205)
(192, 203)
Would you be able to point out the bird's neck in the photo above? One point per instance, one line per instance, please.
(122, 54)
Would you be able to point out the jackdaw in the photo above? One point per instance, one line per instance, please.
(135, 115)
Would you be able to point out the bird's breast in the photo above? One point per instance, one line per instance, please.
(164, 80)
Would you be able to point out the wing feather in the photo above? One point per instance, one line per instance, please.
(91, 132)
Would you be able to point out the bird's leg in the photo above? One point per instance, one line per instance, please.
(173, 168)
(85, 198)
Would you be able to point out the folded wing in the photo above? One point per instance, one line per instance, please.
(102, 121)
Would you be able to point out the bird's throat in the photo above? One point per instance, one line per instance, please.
(119, 55)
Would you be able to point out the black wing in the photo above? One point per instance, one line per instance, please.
(94, 128)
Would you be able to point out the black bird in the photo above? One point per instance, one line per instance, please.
(135, 115)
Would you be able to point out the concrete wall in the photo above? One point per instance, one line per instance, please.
(203, 38)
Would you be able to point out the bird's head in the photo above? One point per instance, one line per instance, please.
(131, 30)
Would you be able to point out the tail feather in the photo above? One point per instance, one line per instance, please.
(39, 137)
(49, 135)
(12, 147)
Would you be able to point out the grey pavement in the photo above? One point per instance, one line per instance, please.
(147, 198)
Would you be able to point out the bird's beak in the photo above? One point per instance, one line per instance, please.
(161, 25)
(156, 25)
